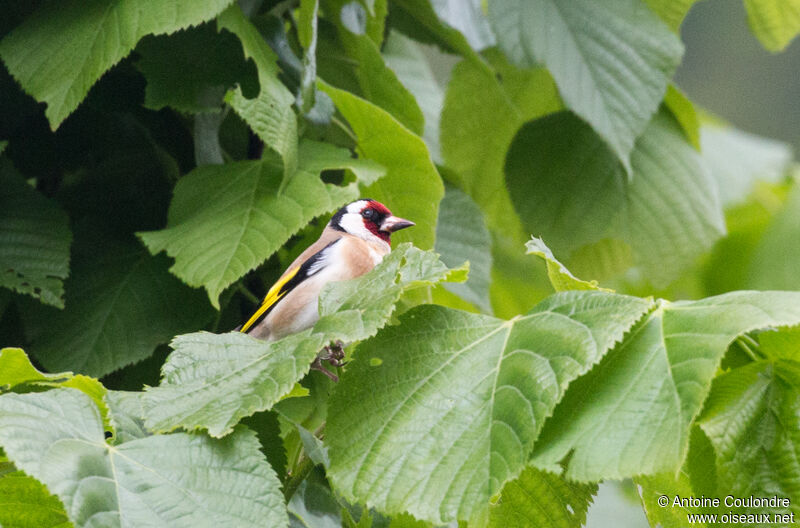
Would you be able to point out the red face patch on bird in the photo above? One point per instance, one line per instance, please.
(374, 213)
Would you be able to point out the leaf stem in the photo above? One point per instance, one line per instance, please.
(298, 476)
(745, 346)
(336, 121)
(248, 294)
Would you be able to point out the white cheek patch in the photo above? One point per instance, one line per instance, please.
(354, 224)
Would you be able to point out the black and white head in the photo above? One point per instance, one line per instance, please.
(368, 219)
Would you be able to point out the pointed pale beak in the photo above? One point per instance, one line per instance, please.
(394, 223)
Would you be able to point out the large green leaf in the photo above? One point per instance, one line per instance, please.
(462, 236)
(411, 66)
(752, 418)
(213, 381)
(774, 22)
(270, 114)
(225, 220)
(26, 503)
(34, 240)
(569, 188)
(737, 160)
(174, 480)
(191, 69)
(631, 414)
(462, 399)
(611, 60)
(537, 496)
(121, 304)
(412, 187)
(61, 50)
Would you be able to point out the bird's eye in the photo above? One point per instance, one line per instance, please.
(367, 213)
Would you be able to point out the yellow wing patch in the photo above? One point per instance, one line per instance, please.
(273, 295)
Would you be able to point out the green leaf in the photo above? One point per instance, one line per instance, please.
(611, 62)
(34, 240)
(684, 113)
(468, 18)
(560, 277)
(462, 399)
(774, 261)
(190, 70)
(125, 413)
(774, 22)
(377, 82)
(225, 220)
(17, 374)
(751, 419)
(270, 114)
(307, 34)
(462, 236)
(671, 11)
(175, 480)
(656, 486)
(480, 117)
(482, 112)
(121, 303)
(61, 50)
(538, 495)
(738, 159)
(412, 187)
(26, 503)
(212, 381)
(409, 63)
(581, 195)
(631, 414)
(3, 145)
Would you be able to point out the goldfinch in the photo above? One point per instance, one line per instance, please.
(354, 241)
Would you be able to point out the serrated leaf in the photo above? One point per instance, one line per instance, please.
(631, 414)
(538, 495)
(671, 11)
(412, 188)
(34, 240)
(125, 413)
(751, 419)
(560, 277)
(121, 304)
(462, 399)
(216, 241)
(183, 69)
(61, 50)
(212, 381)
(175, 480)
(611, 62)
(737, 160)
(581, 194)
(26, 503)
(462, 236)
(409, 63)
(775, 22)
(17, 374)
(307, 34)
(270, 114)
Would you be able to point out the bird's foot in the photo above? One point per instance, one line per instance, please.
(317, 365)
(333, 354)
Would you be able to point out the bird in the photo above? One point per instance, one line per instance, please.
(354, 241)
